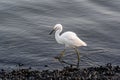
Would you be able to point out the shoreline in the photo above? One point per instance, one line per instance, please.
(106, 72)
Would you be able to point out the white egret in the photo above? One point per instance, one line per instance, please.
(69, 39)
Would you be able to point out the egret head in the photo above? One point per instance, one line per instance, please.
(56, 27)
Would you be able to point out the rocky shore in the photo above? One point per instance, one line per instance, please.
(106, 72)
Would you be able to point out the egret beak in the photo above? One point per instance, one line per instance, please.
(51, 32)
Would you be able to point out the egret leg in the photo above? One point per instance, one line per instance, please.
(61, 55)
(78, 56)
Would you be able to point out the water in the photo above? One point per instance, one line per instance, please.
(25, 24)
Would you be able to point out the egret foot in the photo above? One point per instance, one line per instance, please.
(61, 55)
(57, 57)
(77, 65)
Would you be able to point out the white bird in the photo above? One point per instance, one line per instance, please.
(69, 39)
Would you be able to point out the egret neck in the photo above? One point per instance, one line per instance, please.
(57, 36)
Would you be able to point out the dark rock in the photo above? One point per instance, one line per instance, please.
(107, 72)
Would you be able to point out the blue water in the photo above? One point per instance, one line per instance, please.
(25, 24)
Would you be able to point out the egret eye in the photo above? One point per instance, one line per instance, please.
(56, 28)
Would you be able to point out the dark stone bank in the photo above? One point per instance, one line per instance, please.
(106, 72)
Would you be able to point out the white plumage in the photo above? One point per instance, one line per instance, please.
(70, 39)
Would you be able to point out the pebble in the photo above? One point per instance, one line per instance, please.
(107, 72)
